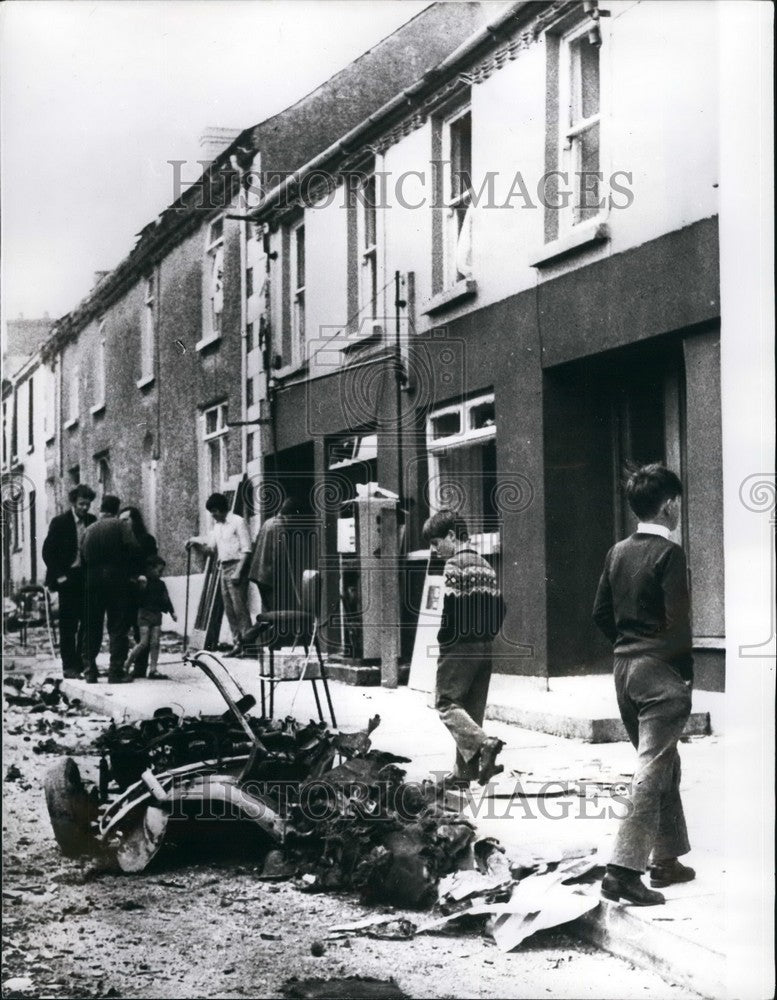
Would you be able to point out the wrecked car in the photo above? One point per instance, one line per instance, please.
(324, 805)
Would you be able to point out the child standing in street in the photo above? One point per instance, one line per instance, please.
(473, 611)
(153, 601)
(643, 607)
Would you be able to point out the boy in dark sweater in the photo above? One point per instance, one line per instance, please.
(152, 602)
(473, 611)
(642, 606)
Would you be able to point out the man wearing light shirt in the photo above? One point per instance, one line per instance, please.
(229, 540)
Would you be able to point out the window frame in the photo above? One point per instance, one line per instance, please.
(74, 397)
(570, 131)
(30, 414)
(99, 370)
(102, 463)
(368, 256)
(148, 333)
(454, 224)
(297, 292)
(486, 542)
(219, 437)
(214, 260)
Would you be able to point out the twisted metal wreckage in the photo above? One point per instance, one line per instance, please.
(351, 825)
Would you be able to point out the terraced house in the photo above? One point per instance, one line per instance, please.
(479, 266)
(149, 398)
(497, 291)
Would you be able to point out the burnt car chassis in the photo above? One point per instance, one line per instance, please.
(127, 826)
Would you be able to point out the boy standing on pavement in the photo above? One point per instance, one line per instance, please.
(473, 611)
(642, 606)
(231, 543)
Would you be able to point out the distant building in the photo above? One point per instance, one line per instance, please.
(21, 339)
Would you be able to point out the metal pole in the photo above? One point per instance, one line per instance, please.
(186, 611)
(398, 381)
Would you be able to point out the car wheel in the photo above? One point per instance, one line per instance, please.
(71, 809)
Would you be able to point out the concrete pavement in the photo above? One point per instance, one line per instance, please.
(532, 819)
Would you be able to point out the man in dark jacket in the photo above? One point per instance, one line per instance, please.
(64, 574)
(107, 551)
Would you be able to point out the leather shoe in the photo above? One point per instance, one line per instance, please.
(487, 766)
(120, 679)
(72, 675)
(670, 872)
(91, 677)
(632, 890)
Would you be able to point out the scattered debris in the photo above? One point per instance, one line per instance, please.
(385, 927)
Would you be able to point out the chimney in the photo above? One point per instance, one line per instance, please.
(214, 140)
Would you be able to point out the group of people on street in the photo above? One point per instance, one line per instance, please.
(110, 567)
(106, 568)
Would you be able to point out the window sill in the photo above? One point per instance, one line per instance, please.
(73, 422)
(580, 238)
(709, 642)
(97, 409)
(352, 346)
(206, 342)
(145, 381)
(290, 370)
(465, 289)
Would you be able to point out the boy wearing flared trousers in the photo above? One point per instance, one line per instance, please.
(643, 607)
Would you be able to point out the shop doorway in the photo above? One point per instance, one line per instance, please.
(602, 417)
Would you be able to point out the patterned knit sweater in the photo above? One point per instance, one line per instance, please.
(473, 608)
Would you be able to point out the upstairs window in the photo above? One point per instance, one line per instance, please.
(50, 404)
(457, 195)
(74, 389)
(580, 124)
(298, 293)
(99, 372)
(367, 228)
(15, 424)
(148, 331)
(30, 413)
(215, 278)
(214, 449)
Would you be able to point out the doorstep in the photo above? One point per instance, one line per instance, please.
(582, 708)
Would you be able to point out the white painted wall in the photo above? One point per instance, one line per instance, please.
(326, 277)
(660, 107)
(31, 455)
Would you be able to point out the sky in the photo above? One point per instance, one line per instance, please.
(96, 97)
